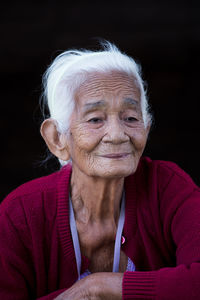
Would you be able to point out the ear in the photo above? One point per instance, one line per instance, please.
(56, 142)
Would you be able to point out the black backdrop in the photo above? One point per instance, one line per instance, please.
(164, 36)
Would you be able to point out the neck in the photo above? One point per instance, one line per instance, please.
(95, 199)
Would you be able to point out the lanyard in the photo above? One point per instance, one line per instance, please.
(117, 239)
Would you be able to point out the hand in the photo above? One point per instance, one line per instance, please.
(97, 286)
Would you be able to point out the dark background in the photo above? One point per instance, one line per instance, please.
(164, 36)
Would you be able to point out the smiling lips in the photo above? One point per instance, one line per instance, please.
(115, 155)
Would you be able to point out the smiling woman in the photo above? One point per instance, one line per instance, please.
(106, 137)
(110, 224)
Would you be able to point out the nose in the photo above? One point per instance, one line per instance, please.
(115, 132)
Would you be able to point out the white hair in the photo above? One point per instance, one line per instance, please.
(71, 68)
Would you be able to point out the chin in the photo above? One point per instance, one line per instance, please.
(116, 172)
(109, 169)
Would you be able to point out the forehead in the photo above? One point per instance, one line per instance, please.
(112, 83)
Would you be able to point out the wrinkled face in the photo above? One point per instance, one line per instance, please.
(107, 133)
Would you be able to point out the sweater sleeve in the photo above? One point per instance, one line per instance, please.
(17, 274)
(180, 214)
(16, 279)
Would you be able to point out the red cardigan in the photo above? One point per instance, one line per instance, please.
(162, 231)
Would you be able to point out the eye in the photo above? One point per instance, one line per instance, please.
(130, 119)
(95, 120)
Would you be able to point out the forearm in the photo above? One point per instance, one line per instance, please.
(107, 285)
(97, 286)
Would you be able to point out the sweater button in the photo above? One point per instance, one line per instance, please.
(123, 240)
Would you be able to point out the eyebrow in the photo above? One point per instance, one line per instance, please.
(91, 106)
(94, 105)
(130, 101)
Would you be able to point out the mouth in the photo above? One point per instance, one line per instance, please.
(116, 155)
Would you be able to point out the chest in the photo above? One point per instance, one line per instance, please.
(97, 244)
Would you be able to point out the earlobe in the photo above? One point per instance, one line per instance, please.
(56, 142)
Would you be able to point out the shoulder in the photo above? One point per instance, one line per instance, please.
(162, 182)
(31, 190)
(167, 185)
(34, 193)
(163, 172)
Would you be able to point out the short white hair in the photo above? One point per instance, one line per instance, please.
(71, 68)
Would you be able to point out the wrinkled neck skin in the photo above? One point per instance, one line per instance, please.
(95, 199)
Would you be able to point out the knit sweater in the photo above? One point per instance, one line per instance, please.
(161, 230)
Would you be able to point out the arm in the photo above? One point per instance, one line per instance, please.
(97, 286)
(15, 270)
(17, 275)
(180, 213)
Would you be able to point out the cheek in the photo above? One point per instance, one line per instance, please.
(139, 138)
(84, 140)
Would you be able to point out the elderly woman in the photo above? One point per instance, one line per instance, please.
(110, 224)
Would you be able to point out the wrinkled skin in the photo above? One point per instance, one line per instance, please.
(105, 142)
(98, 286)
(105, 121)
